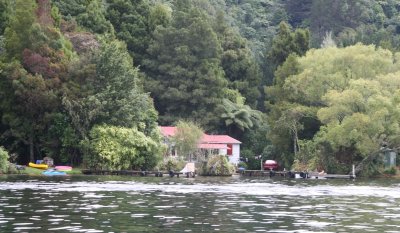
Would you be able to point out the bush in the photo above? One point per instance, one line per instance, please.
(243, 165)
(4, 164)
(12, 169)
(119, 148)
(172, 164)
(390, 171)
(218, 165)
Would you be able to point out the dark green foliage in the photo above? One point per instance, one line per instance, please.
(130, 21)
(27, 113)
(87, 13)
(4, 14)
(94, 18)
(18, 34)
(351, 21)
(390, 171)
(71, 8)
(298, 12)
(186, 79)
(110, 92)
(257, 21)
(239, 118)
(192, 55)
(287, 42)
(240, 67)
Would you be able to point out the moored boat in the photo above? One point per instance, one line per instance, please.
(38, 166)
(63, 168)
(52, 172)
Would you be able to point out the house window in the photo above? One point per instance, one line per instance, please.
(229, 150)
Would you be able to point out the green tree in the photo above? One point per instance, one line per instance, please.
(4, 14)
(94, 18)
(134, 22)
(187, 138)
(240, 67)
(35, 76)
(119, 148)
(103, 90)
(238, 118)
(185, 76)
(110, 93)
(287, 42)
(27, 112)
(4, 160)
(348, 95)
(18, 35)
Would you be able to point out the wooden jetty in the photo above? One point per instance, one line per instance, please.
(294, 174)
(138, 173)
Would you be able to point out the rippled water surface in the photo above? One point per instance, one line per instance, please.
(234, 204)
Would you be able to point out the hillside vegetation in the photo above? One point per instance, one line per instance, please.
(313, 84)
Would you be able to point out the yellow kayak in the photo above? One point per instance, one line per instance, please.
(39, 166)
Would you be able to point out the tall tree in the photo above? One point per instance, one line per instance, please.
(18, 35)
(94, 18)
(186, 78)
(287, 42)
(111, 93)
(239, 118)
(131, 20)
(240, 67)
(187, 138)
(347, 97)
(36, 75)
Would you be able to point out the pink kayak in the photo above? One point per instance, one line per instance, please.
(63, 168)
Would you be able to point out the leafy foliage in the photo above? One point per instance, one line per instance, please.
(218, 165)
(185, 77)
(287, 42)
(186, 139)
(119, 148)
(4, 160)
(239, 118)
(349, 93)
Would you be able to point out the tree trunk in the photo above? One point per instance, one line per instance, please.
(31, 145)
(295, 139)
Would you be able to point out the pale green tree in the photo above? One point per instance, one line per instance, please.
(186, 139)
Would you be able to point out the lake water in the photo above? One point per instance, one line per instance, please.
(202, 204)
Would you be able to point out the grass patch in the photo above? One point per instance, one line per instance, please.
(31, 171)
(74, 171)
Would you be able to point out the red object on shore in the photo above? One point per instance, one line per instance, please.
(270, 164)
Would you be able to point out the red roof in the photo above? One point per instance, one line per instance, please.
(168, 131)
(219, 139)
(212, 146)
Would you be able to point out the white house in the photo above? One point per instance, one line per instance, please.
(222, 144)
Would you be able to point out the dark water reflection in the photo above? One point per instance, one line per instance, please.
(234, 204)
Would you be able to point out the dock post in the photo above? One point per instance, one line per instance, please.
(354, 172)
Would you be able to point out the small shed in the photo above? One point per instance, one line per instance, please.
(389, 158)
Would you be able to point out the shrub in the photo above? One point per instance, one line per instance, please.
(119, 148)
(4, 164)
(172, 164)
(218, 165)
(243, 165)
(390, 171)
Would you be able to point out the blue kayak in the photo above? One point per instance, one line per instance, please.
(54, 173)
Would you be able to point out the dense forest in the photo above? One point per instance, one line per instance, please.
(314, 84)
